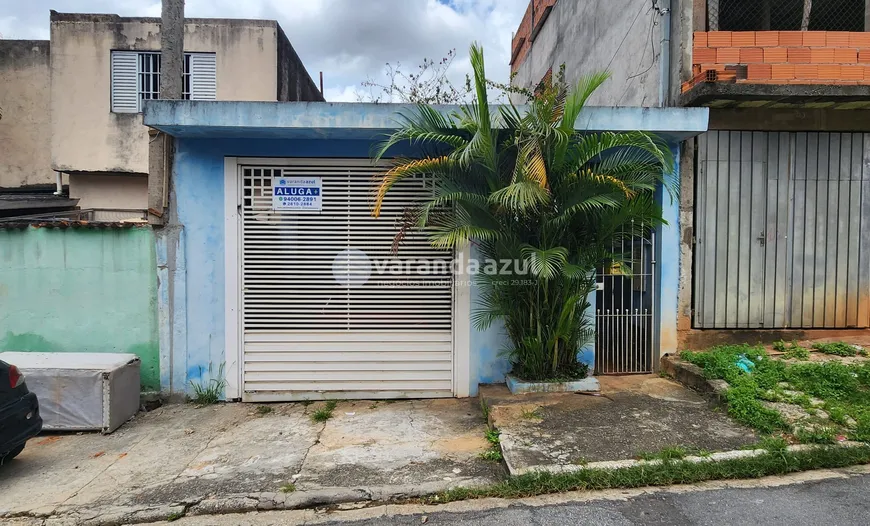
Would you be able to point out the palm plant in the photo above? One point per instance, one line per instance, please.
(523, 184)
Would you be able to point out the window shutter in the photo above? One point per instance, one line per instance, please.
(203, 76)
(125, 91)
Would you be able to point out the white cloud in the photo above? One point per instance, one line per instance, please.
(349, 40)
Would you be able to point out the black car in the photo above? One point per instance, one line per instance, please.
(19, 412)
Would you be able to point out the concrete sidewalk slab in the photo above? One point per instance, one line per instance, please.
(230, 457)
(635, 414)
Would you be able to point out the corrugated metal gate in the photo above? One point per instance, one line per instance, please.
(625, 333)
(782, 233)
(308, 336)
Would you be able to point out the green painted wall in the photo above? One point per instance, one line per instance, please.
(81, 290)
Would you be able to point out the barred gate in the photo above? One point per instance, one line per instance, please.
(625, 312)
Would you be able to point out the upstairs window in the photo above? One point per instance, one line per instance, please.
(136, 78)
(785, 15)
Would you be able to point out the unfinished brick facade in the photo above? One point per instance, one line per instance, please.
(781, 57)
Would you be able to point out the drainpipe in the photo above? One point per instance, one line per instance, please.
(58, 183)
(665, 61)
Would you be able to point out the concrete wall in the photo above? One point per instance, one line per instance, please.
(588, 37)
(25, 130)
(86, 135)
(80, 290)
(123, 191)
(294, 82)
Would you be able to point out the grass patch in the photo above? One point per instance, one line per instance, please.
(288, 488)
(665, 473)
(817, 435)
(208, 393)
(836, 348)
(666, 453)
(324, 413)
(264, 409)
(844, 389)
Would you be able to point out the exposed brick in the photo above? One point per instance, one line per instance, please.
(743, 38)
(859, 39)
(781, 71)
(844, 55)
(806, 71)
(776, 54)
(700, 55)
(837, 39)
(749, 55)
(719, 38)
(852, 72)
(728, 55)
(791, 38)
(822, 55)
(758, 71)
(799, 55)
(699, 38)
(864, 56)
(766, 38)
(814, 38)
(829, 71)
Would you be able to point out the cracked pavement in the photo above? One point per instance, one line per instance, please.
(228, 457)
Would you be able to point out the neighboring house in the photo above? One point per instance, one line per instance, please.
(773, 213)
(81, 102)
(27, 182)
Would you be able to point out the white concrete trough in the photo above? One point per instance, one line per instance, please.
(81, 391)
(582, 385)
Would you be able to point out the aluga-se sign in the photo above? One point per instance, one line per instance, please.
(297, 193)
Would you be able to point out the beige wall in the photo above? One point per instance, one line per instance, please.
(25, 131)
(123, 191)
(86, 135)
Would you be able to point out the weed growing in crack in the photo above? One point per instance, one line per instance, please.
(494, 452)
(324, 413)
(531, 414)
(210, 392)
(264, 409)
(666, 453)
(288, 488)
(174, 516)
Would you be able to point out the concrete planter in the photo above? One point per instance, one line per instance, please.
(518, 386)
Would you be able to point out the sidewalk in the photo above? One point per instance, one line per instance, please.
(230, 457)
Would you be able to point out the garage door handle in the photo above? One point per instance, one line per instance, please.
(761, 238)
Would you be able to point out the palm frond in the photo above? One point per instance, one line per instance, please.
(403, 170)
(545, 263)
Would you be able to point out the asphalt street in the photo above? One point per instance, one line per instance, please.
(828, 502)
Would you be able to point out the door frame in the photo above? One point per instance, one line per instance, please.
(233, 313)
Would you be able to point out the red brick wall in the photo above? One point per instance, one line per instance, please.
(522, 40)
(783, 57)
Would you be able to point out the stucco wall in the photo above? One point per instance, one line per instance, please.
(80, 290)
(588, 37)
(86, 135)
(123, 191)
(25, 131)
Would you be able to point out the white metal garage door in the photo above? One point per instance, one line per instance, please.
(308, 336)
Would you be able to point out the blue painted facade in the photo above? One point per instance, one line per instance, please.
(190, 249)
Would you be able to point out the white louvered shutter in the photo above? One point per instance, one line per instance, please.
(125, 87)
(306, 335)
(203, 76)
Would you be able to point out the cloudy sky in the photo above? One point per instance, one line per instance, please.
(349, 40)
